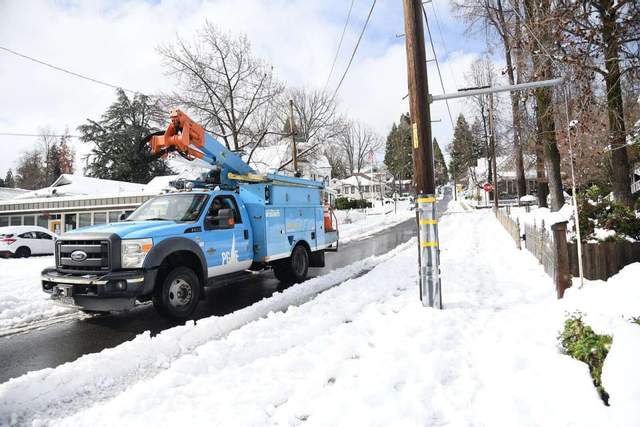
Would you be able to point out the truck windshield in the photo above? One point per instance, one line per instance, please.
(173, 207)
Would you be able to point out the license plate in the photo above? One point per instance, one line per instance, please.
(66, 300)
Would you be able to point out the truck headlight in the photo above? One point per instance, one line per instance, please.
(134, 251)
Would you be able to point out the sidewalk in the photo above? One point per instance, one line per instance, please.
(367, 353)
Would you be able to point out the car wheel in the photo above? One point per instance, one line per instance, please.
(178, 294)
(295, 268)
(23, 252)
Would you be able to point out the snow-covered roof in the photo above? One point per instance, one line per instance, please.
(358, 180)
(75, 185)
(10, 193)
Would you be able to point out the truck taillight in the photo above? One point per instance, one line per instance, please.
(7, 241)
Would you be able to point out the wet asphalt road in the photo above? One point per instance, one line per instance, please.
(65, 342)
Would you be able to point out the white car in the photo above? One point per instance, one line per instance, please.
(26, 240)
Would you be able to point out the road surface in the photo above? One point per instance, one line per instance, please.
(64, 342)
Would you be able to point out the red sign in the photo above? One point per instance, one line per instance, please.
(487, 187)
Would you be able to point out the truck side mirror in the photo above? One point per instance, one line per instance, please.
(224, 220)
(123, 216)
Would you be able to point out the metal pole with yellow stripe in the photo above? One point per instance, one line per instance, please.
(430, 292)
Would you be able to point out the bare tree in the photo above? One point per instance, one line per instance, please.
(538, 17)
(491, 17)
(231, 92)
(316, 121)
(603, 37)
(358, 142)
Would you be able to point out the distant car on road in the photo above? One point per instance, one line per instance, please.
(26, 240)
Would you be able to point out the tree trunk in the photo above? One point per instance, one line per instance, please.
(541, 177)
(619, 158)
(544, 101)
(515, 103)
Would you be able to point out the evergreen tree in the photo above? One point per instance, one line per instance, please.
(461, 149)
(31, 171)
(1, 183)
(479, 146)
(9, 181)
(116, 139)
(397, 156)
(441, 171)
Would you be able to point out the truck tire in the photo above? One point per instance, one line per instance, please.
(295, 268)
(178, 294)
(23, 252)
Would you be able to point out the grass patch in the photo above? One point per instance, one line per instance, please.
(579, 341)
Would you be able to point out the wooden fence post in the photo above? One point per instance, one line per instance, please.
(562, 274)
(518, 242)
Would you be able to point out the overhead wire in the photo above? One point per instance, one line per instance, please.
(38, 134)
(437, 63)
(335, 58)
(64, 70)
(355, 49)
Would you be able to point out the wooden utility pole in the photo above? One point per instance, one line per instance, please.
(493, 154)
(422, 151)
(423, 173)
(294, 152)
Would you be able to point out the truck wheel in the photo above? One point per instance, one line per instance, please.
(178, 294)
(23, 252)
(295, 268)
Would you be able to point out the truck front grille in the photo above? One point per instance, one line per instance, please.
(97, 259)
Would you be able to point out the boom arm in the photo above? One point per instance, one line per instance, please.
(190, 140)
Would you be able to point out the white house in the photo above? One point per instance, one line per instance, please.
(507, 179)
(361, 186)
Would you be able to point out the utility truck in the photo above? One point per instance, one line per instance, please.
(230, 222)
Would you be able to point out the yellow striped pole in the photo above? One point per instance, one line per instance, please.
(430, 292)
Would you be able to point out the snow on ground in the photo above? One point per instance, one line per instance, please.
(21, 298)
(363, 353)
(359, 223)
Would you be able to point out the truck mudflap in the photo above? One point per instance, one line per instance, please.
(116, 291)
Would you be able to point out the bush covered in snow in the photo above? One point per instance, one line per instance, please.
(347, 203)
(582, 343)
(598, 213)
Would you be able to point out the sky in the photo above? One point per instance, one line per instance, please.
(116, 42)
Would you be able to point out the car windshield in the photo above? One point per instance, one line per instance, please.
(173, 207)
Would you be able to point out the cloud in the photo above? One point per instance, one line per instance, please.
(116, 42)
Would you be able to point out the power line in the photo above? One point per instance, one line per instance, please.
(437, 64)
(355, 49)
(335, 58)
(64, 70)
(444, 44)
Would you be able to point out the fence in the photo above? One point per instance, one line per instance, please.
(559, 258)
(539, 242)
(602, 260)
(512, 227)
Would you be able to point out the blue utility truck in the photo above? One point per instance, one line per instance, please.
(206, 233)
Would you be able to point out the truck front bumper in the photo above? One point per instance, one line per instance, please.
(114, 291)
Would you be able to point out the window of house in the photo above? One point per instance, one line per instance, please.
(84, 219)
(4, 221)
(15, 220)
(29, 220)
(99, 218)
(43, 222)
(114, 216)
(70, 222)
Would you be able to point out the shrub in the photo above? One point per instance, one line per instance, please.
(347, 203)
(595, 210)
(582, 343)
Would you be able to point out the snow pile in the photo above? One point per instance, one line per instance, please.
(537, 215)
(21, 298)
(358, 223)
(621, 375)
(362, 353)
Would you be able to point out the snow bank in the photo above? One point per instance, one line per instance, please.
(358, 223)
(621, 376)
(21, 298)
(93, 377)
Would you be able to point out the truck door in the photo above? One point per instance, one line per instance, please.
(224, 247)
